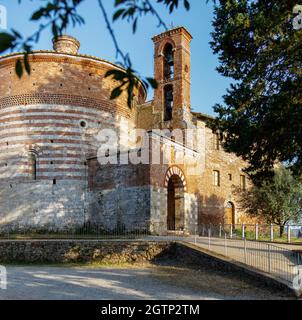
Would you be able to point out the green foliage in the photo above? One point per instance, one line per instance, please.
(277, 200)
(173, 4)
(261, 118)
(55, 14)
(59, 14)
(7, 41)
(128, 81)
(19, 68)
(133, 10)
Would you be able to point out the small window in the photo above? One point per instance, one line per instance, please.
(216, 141)
(32, 163)
(243, 182)
(216, 178)
(230, 176)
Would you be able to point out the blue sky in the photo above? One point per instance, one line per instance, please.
(208, 86)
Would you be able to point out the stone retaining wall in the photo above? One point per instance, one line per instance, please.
(60, 251)
(77, 251)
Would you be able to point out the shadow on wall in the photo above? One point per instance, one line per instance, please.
(211, 210)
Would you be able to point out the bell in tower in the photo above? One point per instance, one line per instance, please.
(168, 62)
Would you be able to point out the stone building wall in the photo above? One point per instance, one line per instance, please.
(204, 202)
(120, 195)
(49, 126)
(213, 199)
(50, 130)
(40, 205)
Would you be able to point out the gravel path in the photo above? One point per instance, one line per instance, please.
(130, 283)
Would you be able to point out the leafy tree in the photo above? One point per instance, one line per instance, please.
(277, 200)
(261, 118)
(60, 14)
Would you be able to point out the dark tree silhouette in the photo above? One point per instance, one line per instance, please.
(260, 49)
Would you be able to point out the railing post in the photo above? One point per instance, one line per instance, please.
(195, 238)
(289, 234)
(231, 232)
(269, 259)
(256, 231)
(220, 230)
(243, 231)
(209, 236)
(245, 252)
(225, 245)
(272, 233)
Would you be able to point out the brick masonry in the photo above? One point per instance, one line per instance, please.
(49, 125)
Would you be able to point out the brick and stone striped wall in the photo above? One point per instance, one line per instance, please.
(61, 136)
(53, 115)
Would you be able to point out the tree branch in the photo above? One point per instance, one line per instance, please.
(153, 11)
(119, 52)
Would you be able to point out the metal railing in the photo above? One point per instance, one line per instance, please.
(85, 231)
(93, 231)
(258, 232)
(283, 261)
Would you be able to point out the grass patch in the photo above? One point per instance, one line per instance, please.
(251, 235)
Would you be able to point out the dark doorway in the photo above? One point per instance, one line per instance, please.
(175, 217)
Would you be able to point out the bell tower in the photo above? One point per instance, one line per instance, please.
(172, 62)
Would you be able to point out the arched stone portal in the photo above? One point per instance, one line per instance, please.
(176, 187)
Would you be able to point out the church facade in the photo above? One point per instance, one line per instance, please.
(58, 168)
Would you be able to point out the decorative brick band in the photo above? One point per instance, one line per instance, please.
(64, 99)
(47, 110)
(178, 172)
(172, 32)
